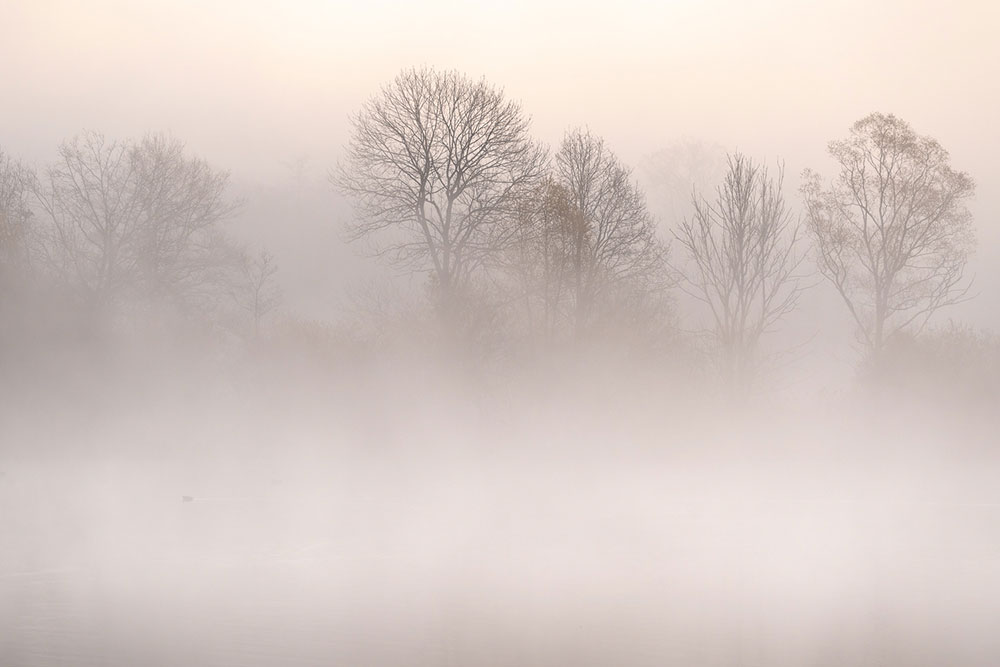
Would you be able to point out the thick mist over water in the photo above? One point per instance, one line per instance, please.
(399, 516)
(550, 335)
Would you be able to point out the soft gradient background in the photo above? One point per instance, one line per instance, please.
(404, 512)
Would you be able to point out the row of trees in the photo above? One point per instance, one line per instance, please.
(447, 178)
(445, 171)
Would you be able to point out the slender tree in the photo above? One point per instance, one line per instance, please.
(892, 232)
(742, 252)
(254, 290)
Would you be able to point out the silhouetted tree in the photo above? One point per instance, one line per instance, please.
(439, 162)
(742, 252)
(892, 232)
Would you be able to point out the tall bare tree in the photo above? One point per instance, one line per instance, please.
(892, 231)
(742, 252)
(438, 162)
(615, 245)
(134, 218)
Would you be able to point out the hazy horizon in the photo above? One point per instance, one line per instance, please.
(234, 436)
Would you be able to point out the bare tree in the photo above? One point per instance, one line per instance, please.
(892, 232)
(615, 246)
(255, 291)
(131, 218)
(438, 162)
(15, 214)
(742, 252)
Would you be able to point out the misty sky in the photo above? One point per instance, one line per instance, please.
(535, 455)
(250, 83)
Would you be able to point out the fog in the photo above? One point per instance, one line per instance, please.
(428, 333)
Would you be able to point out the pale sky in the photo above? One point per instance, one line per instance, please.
(257, 77)
(248, 83)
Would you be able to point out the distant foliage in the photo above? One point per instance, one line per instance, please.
(954, 363)
(672, 174)
(16, 181)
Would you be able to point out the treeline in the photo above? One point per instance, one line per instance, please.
(524, 252)
(126, 233)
